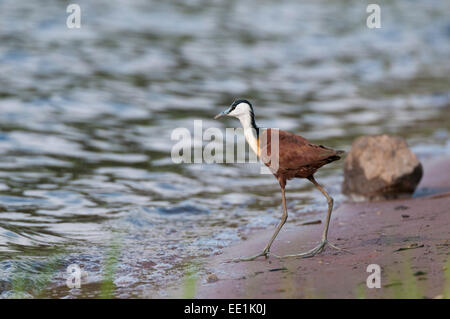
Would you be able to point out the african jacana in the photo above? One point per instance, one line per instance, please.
(297, 158)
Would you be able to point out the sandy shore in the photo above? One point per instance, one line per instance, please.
(408, 238)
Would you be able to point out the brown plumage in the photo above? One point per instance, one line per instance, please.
(289, 156)
(298, 158)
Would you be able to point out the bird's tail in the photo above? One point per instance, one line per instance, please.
(336, 156)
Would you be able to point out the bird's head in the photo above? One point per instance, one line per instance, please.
(239, 108)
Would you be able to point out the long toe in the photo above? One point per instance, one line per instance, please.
(307, 254)
(250, 258)
(314, 251)
(338, 248)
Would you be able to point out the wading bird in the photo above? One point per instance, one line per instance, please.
(296, 158)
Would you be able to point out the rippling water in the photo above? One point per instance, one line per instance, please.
(86, 117)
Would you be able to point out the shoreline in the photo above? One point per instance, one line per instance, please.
(408, 238)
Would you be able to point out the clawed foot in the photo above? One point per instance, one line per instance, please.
(314, 251)
(264, 253)
(309, 253)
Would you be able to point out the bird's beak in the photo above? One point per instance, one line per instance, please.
(223, 113)
(220, 115)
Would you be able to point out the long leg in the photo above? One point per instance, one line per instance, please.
(324, 240)
(284, 217)
(330, 202)
(282, 222)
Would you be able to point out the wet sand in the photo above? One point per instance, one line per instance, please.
(408, 238)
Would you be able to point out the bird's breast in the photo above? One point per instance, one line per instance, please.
(252, 140)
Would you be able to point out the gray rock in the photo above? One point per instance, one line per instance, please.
(380, 167)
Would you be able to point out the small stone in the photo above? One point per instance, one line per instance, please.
(419, 273)
(380, 167)
(212, 278)
(312, 222)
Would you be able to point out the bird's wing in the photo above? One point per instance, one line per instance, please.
(294, 150)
